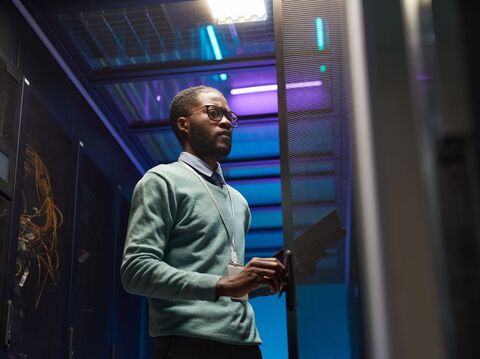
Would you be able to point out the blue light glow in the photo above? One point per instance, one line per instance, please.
(214, 42)
(263, 135)
(266, 217)
(266, 239)
(270, 315)
(260, 192)
(223, 77)
(320, 34)
(235, 170)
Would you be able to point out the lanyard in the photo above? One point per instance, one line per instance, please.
(231, 235)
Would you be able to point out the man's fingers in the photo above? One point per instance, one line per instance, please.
(266, 262)
(270, 263)
(266, 276)
(267, 271)
(280, 276)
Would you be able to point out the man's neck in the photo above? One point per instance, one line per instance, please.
(209, 160)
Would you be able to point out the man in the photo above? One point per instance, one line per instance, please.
(186, 239)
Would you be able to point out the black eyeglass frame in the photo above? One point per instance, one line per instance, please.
(227, 114)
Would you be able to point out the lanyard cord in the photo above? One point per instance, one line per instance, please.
(231, 235)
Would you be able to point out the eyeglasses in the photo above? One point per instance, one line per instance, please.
(216, 113)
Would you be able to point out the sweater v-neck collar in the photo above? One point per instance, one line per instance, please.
(200, 166)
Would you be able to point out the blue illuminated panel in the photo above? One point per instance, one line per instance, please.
(260, 191)
(266, 217)
(251, 169)
(264, 239)
(256, 140)
(163, 146)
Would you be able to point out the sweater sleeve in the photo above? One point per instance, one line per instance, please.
(143, 270)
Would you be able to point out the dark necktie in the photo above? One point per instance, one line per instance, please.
(217, 179)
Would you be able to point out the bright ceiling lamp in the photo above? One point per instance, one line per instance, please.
(233, 11)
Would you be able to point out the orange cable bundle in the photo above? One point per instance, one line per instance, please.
(38, 237)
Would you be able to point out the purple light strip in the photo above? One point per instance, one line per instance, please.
(273, 87)
(298, 85)
(253, 89)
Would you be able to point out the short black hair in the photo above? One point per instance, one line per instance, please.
(183, 103)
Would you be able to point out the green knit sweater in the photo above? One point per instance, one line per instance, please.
(177, 249)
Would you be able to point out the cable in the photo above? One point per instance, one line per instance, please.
(38, 237)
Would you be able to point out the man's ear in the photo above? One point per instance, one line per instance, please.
(183, 125)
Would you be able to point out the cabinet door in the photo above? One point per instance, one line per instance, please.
(43, 261)
(10, 98)
(93, 263)
(5, 211)
(10, 95)
(131, 337)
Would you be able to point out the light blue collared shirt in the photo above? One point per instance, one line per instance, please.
(200, 165)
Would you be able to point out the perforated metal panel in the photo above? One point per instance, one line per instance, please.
(314, 129)
(314, 118)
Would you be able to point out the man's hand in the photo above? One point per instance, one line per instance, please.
(258, 271)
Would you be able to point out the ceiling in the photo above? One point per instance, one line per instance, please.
(136, 55)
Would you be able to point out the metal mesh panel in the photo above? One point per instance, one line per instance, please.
(313, 121)
(316, 117)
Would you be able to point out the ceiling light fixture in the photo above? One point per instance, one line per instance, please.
(217, 52)
(234, 11)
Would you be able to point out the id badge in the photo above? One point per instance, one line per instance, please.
(232, 269)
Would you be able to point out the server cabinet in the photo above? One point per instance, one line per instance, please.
(312, 64)
(11, 95)
(44, 241)
(92, 263)
(130, 328)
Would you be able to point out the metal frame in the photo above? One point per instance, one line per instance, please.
(366, 187)
(6, 187)
(396, 237)
(284, 169)
(6, 304)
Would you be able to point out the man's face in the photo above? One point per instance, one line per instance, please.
(206, 136)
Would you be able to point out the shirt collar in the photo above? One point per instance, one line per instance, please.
(200, 165)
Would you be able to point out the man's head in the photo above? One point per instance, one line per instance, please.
(193, 117)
